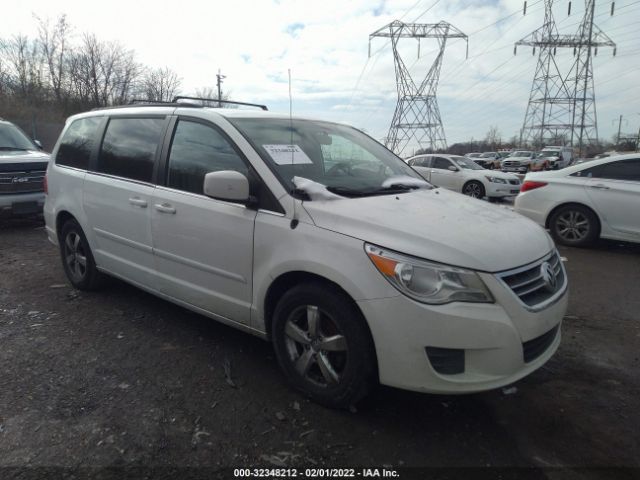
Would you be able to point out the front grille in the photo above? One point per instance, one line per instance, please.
(534, 284)
(536, 347)
(446, 361)
(22, 182)
(510, 163)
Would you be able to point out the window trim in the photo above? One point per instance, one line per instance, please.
(156, 156)
(163, 164)
(95, 139)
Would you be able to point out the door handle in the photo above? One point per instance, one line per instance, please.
(600, 186)
(165, 208)
(138, 202)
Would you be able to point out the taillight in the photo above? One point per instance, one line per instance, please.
(531, 185)
(45, 184)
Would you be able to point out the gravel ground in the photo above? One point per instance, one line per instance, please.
(119, 378)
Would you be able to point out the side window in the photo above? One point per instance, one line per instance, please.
(441, 163)
(129, 147)
(196, 150)
(621, 170)
(77, 142)
(426, 162)
(588, 172)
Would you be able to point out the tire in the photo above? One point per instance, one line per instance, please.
(574, 226)
(474, 189)
(77, 259)
(345, 370)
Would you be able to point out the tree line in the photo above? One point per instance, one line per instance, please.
(69, 72)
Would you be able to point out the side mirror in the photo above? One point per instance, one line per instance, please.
(453, 169)
(38, 144)
(226, 185)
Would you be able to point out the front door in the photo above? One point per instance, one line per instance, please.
(203, 247)
(614, 188)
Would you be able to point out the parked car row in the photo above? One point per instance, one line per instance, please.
(522, 161)
(464, 175)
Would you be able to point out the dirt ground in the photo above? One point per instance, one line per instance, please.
(119, 378)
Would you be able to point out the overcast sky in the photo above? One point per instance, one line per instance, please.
(325, 44)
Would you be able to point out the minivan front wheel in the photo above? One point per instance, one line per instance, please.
(77, 259)
(323, 345)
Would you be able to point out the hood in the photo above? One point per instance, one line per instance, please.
(518, 159)
(437, 225)
(21, 156)
(499, 174)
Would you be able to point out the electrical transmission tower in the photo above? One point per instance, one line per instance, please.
(562, 106)
(417, 116)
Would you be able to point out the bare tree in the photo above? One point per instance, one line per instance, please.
(53, 42)
(24, 63)
(161, 84)
(493, 137)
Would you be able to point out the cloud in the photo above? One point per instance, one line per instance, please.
(325, 45)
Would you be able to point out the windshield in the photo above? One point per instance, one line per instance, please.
(521, 153)
(12, 138)
(341, 158)
(465, 163)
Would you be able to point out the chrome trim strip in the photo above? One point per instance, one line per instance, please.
(549, 301)
(199, 266)
(122, 240)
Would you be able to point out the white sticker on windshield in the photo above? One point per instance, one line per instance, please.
(287, 154)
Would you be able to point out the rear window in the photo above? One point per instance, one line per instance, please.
(77, 142)
(129, 147)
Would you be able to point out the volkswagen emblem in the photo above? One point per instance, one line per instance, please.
(548, 276)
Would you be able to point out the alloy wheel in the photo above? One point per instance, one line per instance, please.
(316, 346)
(75, 256)
(572, 226)
(473, 190)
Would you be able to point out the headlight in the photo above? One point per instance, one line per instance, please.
(428, 282)
(495, 179)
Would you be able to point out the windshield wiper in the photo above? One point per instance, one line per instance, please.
(13, 148)
(349, 192)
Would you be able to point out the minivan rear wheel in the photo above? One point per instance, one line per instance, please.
(323, 345)
(77, 259)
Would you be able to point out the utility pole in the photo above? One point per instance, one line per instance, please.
(219, 80)
(563, 105)
(417, 116)
(619, 127)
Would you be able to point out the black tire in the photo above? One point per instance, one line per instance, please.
(474, 189)
(77, 259)
(343, 373)
(574, 226)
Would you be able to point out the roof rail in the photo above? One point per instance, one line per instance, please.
(215, 100)
(147, 103)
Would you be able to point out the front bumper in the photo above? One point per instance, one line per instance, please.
(492, 336)
(502, 189)
(19, 204)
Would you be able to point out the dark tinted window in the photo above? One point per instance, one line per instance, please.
(129, 147)
(196, 150)
(620, 170)
(77, 142)
(421, 162)
(439, 162)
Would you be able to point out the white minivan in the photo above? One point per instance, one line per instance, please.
(312, 235)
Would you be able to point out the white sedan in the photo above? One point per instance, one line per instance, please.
(461, 174)
(583, 202)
